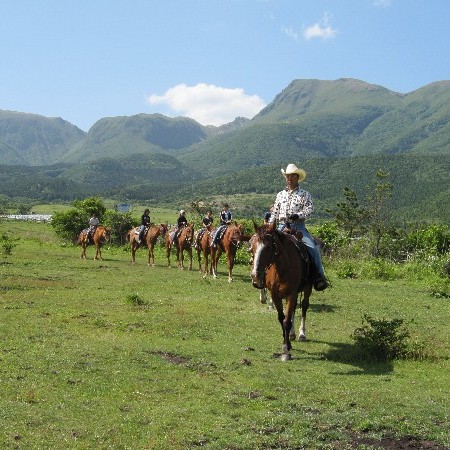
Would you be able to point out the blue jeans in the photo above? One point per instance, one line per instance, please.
(308, 240)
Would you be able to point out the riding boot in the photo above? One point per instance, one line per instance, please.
(320, 283)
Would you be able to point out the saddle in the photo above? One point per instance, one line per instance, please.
(296, 237)
(136, 230)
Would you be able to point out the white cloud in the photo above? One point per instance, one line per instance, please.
(209, 104)
(322, 30)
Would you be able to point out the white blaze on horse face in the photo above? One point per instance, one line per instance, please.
(256, 256)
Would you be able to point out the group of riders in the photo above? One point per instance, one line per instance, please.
(293, 205)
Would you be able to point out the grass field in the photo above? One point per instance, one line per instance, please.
(106, 354)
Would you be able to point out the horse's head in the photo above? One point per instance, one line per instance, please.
(163, 229)
(105, 233)
(187, 234)
(263, 249)
(235, 234)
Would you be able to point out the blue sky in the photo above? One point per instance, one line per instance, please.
(211, 60)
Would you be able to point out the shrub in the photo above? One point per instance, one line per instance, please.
(381, 339)
(135, 299)
(380, 269)
(7, 244)
(346, 269)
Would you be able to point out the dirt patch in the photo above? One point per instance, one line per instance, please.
(396, 443)
(172, 358)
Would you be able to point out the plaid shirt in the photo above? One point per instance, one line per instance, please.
(297, 201)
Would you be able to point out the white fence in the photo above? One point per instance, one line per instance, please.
(30, 217)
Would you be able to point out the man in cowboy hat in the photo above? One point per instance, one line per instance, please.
(292, 206)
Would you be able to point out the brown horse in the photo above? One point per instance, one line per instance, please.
(203, 245)
(228, 244)
(283, 266)
(182, 242)
(149, 240)
(101, 235)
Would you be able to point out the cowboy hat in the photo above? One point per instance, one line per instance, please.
(292, 168)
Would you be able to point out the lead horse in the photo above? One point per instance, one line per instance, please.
(101, 235)
(228, 243)
(282, 264)
(149, 240)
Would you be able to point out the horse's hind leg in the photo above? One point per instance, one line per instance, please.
(305, 306)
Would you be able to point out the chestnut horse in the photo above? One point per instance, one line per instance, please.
(203, 245)
(101, 235)
(281, 263)
(228, 244)
(149, 240)
(182, 242)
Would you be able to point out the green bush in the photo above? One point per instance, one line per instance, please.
(135, 299)
(380, 269)
(346, 269)
(7, 244)
(381, 339)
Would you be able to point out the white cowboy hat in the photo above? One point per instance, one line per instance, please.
(292, 168)
(182, 211)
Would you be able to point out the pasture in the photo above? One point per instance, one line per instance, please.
(107, 354)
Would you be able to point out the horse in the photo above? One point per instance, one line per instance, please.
(101, 235)
(183, 241)
(228, 243)
(281, 263)
(149, 240)
(203, 245)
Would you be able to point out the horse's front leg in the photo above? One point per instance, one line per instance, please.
(190, 258)
(291, 303)
(168, 250)
(180, 258)
(214, 262)
(98, 253)
(230, 260)
(151, 259)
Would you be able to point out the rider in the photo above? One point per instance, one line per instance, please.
(93, 224)
(181, 222)
(225, 220)
(145, 223)
(206, 222)
(267, 215)
(292, 206)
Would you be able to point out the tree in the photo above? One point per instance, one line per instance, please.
(69, 224)
(349, 215)
(378, 213)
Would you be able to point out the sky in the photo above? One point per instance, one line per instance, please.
(210, 60)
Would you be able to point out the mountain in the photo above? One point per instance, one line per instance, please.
(142, 133)
(31, 139)
(346, 117)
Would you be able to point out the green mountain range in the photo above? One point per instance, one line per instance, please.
(341, 131)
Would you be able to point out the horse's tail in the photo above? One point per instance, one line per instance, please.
(129, 235)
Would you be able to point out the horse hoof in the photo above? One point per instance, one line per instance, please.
(292, 337)
(302, 338)
(286, 357)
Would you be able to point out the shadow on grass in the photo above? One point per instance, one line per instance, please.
(351, 355)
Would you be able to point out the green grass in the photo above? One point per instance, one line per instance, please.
(193, 363)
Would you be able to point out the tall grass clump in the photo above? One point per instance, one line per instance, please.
(385, 340)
